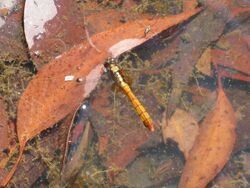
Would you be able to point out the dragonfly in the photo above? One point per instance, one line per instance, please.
(115, 71)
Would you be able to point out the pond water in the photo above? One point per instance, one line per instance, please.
(192, 79)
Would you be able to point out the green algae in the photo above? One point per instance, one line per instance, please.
(14, 77)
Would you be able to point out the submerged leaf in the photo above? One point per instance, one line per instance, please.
(183, 129)
(233, 52)
(213, 146)
(50, 96)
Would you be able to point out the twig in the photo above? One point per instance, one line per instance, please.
(88, 38)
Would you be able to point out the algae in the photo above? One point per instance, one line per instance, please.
(14, 77)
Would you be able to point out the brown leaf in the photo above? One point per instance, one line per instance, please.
(182, 128)
(213, 146)
(49, 97)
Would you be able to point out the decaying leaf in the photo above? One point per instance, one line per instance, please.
(51, 95)
(213, 146)
(233, 52)
(182, 128)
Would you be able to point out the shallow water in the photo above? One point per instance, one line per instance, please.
(177, 71)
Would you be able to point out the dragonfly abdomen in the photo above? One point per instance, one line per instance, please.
(141, 111)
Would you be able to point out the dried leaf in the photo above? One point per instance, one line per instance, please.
(213, 146)
(182, 128)
(49, 97)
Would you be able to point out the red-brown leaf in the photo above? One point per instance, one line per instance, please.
(48, 97)
(234, 53)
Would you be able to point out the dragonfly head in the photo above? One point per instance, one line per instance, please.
(109, 62)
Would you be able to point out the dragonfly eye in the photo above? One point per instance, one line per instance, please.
(111, 60)
(108, 62)
(106, 65)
